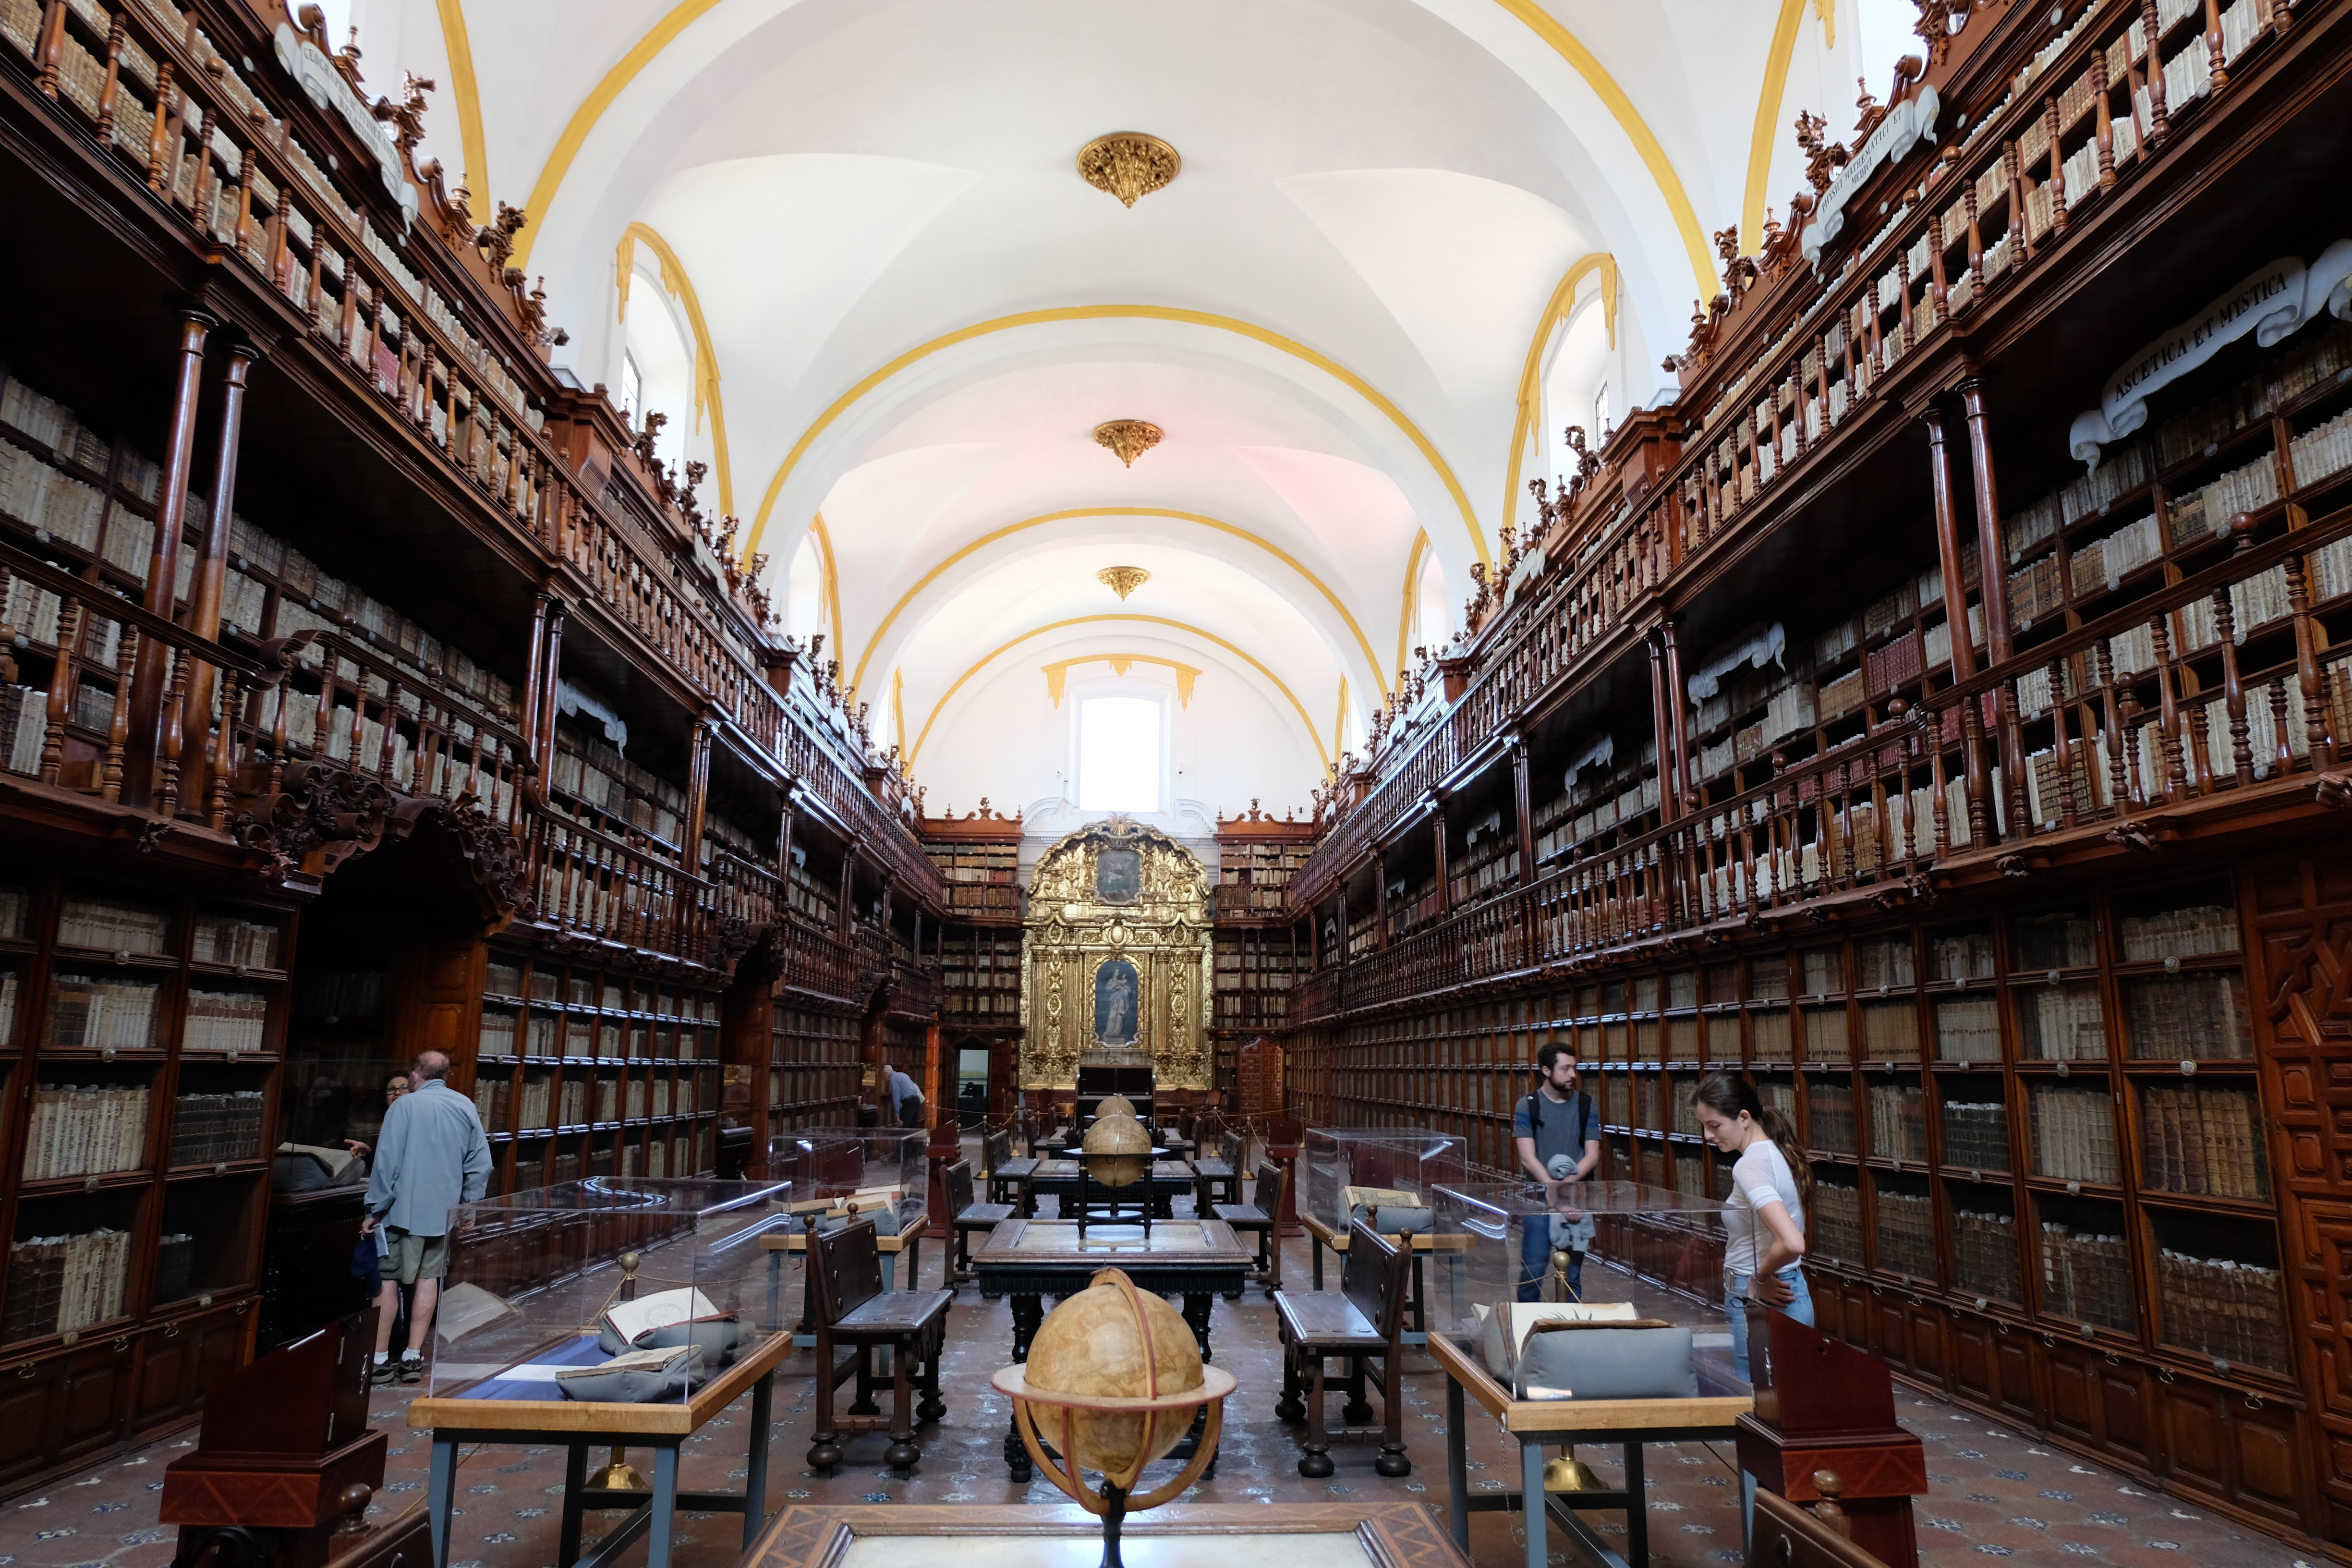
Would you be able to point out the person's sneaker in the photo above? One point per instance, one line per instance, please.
(384, 1372)
(412, 1368)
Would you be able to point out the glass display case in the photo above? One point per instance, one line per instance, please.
(1371, 1169)
(870, 1167)
(603, 1291)
(1651, 1254)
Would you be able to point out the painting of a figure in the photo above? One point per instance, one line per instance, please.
(1118, 875)
(1114, 1002)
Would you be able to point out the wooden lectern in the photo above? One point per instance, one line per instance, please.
(285, 1462)
(1823, 1406)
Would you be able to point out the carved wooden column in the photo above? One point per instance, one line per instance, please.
(1955, 615)
(785, 851)
(842, 914)
(1677, 721)
(1524, 811)
(1380, 901)
(212, 570)
(1994, 587)
(1444, 880)
(698, 790)
(534, 688)
(154, 664)
(543, 743)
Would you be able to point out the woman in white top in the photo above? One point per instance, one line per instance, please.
(1764, 1219)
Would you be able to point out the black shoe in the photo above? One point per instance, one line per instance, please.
(384, 1372)
(412, 1369)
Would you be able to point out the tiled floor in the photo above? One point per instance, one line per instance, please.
(1997, 1494)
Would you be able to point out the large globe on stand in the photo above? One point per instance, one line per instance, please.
(1098, 1343)
(1118, 1153)
(1113, 1105)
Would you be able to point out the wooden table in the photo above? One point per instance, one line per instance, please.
(1539, 1423)
(1008, 1535)
(1058, 1179)
(1030, 1259)
(577, 1425)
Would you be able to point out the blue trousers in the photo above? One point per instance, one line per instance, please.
(1734, 1308)
(1535, 1261)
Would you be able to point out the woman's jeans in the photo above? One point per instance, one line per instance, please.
(1535, 1261)
(1734, 1308)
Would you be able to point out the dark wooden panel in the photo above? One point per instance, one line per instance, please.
(2020, 1399)
(2124, 1411)
(1927, 1324)
(94, 1395)
(1975, 1370)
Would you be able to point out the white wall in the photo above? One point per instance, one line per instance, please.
(1002, 737)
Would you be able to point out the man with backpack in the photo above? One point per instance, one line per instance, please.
(1558, 1134)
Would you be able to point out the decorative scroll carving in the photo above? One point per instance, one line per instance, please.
(317, 819)
(1117, 955)
(489, 856)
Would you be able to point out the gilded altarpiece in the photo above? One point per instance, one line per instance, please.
(1115, 958)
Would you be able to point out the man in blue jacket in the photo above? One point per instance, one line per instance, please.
(430, 1157)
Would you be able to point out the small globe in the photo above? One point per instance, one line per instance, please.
(1129, 1146)
(1114, 1105)
(1095, 1345)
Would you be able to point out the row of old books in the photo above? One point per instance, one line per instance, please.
(2322, 451)
(1906, 1233)
(2183, 1017)
(113, 927)
(1984, 1254)
(23, 725)
(1968, 1029)
(90, 1130)
(2311, 360)
(2179, 933)
(2091, 493)
(2096, 564)
(2074, 1133)
(1976, 1135)
(207, 1129)
(226, 939)
(1828, 1110)
(2053, 942)
(2210, 508)
(57, 1284)
(2061, 1023)
(2226, 1309)
(1897, 1131)
(226, 1021)
(2204, 1137)
(93, 1012)
(2086, 1277)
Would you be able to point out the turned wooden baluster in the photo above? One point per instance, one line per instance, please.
(1976, 277)
(48, 52)
(2176, 785)
(2057, 169)
(118, 726)
(63, 681)
(2283, 763)
(1979, 788)
(1939, 810)
(222, 735)
(175, 697)
(2233, 692)
(2318, 731)
(2213, 55)
(2160, 126)
(110, 95)
(383, 768)
(159, 136)
(2062, 743)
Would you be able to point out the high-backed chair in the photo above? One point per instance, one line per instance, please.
(1363, 1322)
(1007, 1170)
(966, 1219)
(1217, 1178)
(852, 1309)
(1263, 1219)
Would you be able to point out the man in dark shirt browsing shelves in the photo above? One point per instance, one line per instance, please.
(1558, 1134)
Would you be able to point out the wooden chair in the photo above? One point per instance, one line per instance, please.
(1006, 1170)
(1261, 1219)
(1217, 1178)
(1092, 1202)
(1364, 1322)
(966, 1219)
(851, 1309)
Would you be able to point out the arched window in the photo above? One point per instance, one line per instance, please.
(1120, 753)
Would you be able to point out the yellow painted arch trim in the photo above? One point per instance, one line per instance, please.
(982, 663)
(706, 359)
(832, 575)
(466, 88)
(593, 107)
(1563, 301)
(1291, 347)
(1412, 582)
(1768, 115)
(1596, 76)
(985, 540)
(1533, 16)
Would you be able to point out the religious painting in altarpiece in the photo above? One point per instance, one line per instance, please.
(1115, 954)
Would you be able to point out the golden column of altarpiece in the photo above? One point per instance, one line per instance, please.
(1115, 958)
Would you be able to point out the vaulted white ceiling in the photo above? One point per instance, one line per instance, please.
(918, 311)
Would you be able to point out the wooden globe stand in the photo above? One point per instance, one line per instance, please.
(1165, 1417)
